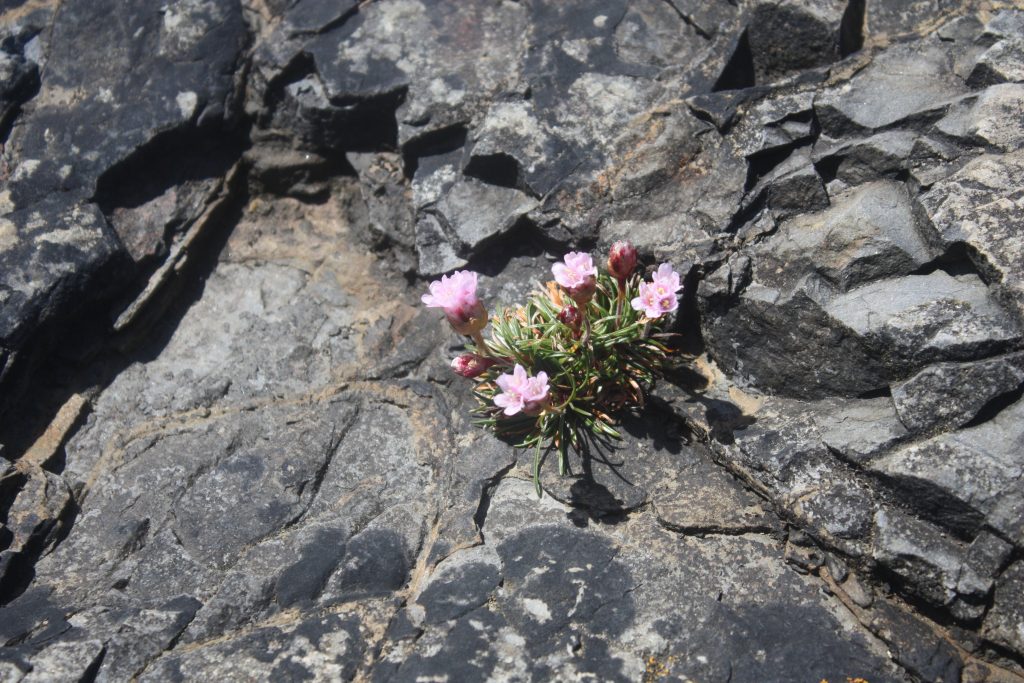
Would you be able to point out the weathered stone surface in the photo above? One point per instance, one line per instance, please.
(1005, 622)
(949, 395)
(988, 121)
(877, 97)
(930, 565)
(273, 473)
(977, 206)
(968, 477)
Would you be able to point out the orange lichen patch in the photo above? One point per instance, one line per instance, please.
(657, 668)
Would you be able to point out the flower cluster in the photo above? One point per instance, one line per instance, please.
(556, 369)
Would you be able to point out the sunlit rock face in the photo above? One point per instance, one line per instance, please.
(233, 445)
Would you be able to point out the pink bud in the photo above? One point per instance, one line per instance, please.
(584, 292)
(621, 260)
(471, 365)
(570, 317)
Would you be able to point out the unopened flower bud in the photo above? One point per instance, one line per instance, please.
(471, 365)
(584, 292)
(571, 317)
(621, 260)
(468, 318)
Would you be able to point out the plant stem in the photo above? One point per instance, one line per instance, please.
(481, 347)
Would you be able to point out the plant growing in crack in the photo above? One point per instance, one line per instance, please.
(556, 370)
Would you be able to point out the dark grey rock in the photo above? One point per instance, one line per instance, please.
(918, 318)
(143, 637)
(475, 213)
(461, 584)
(281, 479)
(867, 234)
(929, 564)
(788, 37)
(855, 162)
(916, 646)
(968, 477)
(949, 395)
(327, 646)
(1004, 621)
(878, 95)
(54, 255)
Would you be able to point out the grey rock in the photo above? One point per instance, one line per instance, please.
(53, 254)
(949, 395)
(878, 96)
(918, 318)
(976, 206)
(460, 584)
(965, 478)
(143, 637)
(790, 36)
(325, 647)
(435, 253)
(35, 516)
(868, 233)
(361, 69)
(1001, 63)
(469, 226)
(1004, 621)
(931, 565)
(67, 661)
(989, 120)
(916, 647)
(861, 429)
(882, 155)
(893, 18)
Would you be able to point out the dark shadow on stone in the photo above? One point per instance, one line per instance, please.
(851, 27)
(738, 72)
(436, 143)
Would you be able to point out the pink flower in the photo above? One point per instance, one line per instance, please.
(659, 296)
(522, 393)
(471, 365)
(456, 294)
(578, 275)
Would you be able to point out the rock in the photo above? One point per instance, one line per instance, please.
(67, 661)
(974, 206)
(926, 317)
(949, 395)
(965, 478)
(1001, 63)
(861, 429)
(54, 255)
(878, 96)
(987, 122)
(142, 638)
(469, 230)
(787, 37)
(277, 475)
(867, 234)
(461, 584)
(883, 155)
(1005, 620)
(916, 647)
(329, 646)
(930, 565)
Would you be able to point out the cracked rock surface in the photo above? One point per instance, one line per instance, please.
(233, 449)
